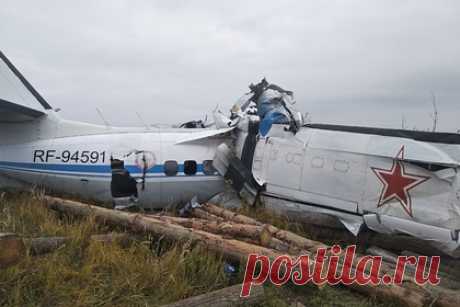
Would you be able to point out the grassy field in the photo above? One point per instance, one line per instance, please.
(87, 273)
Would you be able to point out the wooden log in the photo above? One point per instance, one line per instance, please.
(44, 245)
(202, 214)
(12, 249)
(450, 300)
(229, 215)
(386, 255)
(390, 259)
(292, 238)
(214, 226)
(229, 296)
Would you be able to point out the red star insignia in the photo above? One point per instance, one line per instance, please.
(397, 183)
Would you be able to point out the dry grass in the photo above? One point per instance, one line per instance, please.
(86, 273)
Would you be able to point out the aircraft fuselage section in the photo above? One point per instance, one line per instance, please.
(359, 174)
(81, 165)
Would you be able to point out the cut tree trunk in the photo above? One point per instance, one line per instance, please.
(229, 296)
(44, 245)
(202, 214)
(224, 228)
(229, 215)
(12, 249)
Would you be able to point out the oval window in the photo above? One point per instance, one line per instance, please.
(170, 168)
(190, 167)
(208, 168)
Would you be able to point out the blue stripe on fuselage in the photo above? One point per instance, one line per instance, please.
(86, 168)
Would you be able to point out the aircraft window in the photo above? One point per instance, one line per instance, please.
(190, 167)
(208, 168)
(170, 168)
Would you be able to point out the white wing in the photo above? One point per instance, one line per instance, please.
(204, 134)
(19, 101)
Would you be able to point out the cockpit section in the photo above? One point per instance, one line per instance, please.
(273, 105)
(266, 109)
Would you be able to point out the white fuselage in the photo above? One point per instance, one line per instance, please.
(337, 173)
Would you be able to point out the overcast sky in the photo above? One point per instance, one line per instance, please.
(348, 62)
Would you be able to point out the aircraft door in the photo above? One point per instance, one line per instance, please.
(147, 177)
(284, 163)
(141, 160)
(335, 179)
(259, 163)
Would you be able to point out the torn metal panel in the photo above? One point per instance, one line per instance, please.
(242, 181)
(446, 239)
(380, 146)
(304, 212)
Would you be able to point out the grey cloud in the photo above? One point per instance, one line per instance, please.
(355, 62)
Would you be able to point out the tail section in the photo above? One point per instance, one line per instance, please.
(19, 101)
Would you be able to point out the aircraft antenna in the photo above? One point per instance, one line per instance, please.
(434, 115)
(142, 121)
(107, 124)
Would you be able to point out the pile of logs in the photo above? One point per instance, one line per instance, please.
(235, 236)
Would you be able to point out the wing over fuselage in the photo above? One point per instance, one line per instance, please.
(38, 147)
(392, 181)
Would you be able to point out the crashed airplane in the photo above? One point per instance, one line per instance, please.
(390, 181)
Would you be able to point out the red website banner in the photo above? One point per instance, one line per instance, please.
(326, 268)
